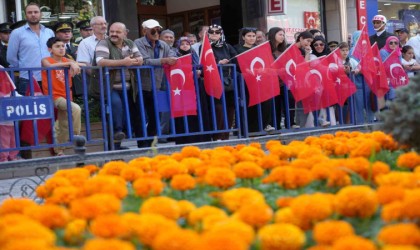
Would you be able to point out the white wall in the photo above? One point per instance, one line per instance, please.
(3, 17)
(175, 6)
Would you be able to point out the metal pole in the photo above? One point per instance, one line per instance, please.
(343, 19)
(18, 10)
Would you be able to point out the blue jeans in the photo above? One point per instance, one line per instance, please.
(22, 86)
(362, 104)
(118, 112)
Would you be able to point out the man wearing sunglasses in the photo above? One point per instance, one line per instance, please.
(379, 24)
(155, 53)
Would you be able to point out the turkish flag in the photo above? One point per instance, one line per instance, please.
(381, 82)
(43, 125)
(260, 78)
(181, 81)
(212, 83)
(325, 94)
(363, 52)
(6, 84)
(344, 87)
(287, 65)
(394, 70)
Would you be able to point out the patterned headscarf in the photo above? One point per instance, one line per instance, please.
(221, 41)
(388, 48)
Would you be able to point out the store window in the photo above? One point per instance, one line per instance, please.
(294, 16)
(53, 11)
(400, 15)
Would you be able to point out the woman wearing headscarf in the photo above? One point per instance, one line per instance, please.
(362, 101)
(391, 44)
(223, 53)
(319, 48)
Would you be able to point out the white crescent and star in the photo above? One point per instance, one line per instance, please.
(209, 68)
(332, 66)
(253, 62)
(288, 64)
(314, 72)
(391, 68)
(177, 91)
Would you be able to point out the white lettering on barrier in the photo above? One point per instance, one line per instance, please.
(21, 110)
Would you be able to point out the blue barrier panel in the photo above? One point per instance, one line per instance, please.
(26, 108)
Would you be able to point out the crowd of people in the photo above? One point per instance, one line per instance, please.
(32, 45)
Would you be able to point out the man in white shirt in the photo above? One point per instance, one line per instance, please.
(87, 46)
(415, 43)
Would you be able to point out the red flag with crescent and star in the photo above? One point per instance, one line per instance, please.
(380, 77)
(318, 76)
(181, 82)
(394, 70)
(260, 78)
(344, 87)
(6, 84)
(287, 65)
(363, 52)
(212, 83)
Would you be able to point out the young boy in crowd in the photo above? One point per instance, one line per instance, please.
(58, 89)
(344, 51)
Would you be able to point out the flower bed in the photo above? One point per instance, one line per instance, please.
(343, 191)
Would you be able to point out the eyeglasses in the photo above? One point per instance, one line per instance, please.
(218, 32)
(319, 44)
(154, 31)
(393, 42)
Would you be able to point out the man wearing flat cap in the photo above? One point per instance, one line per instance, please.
(64, 32)
(155, 52)
(4, 40)
(85, 30)
(403, 36)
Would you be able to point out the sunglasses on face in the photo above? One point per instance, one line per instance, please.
(319, 44)
(218, 32)
(154, 31)
(393, 42)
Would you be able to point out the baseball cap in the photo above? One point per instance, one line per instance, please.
(403, 30)
(150, 24)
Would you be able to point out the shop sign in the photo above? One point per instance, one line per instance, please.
(276, 7)
(361, 14)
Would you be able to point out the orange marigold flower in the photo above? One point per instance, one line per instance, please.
(400, 234)
(95, 205)
(106, 184)
(142, 163)
(170, 167)
(42, 192)
(217, 241)
(289, 177)
(408, 160)
(281, 151)
(210, 221)
(109, 226)
(146, 227)
(250, 153)
(320, 247)
(190, 151)
(55, 182)
(131, 173)
(389, 194)
(108, 244)
(177, 239)
(327, 232)
(269, 161)
(281, 236)
(411, 204)
(93, 169)
(356, 201)
(161, 205)
(13, 205)
(256, 214)
(51, 216)
(272, 143)
(365, 148)
(76, 176)
(234, 199)
(28, 244)
(27, 230)
(145, 187)
(183, 182)
(247, 170)
(379, 168)
(399, 247)
(177, 156)
(113, 168)
(341, 149)
(196, 216)
(353, 243)
(284, 201)
(236, 227)
(64, 195)
(220, 177)
(192, 164)
(185, 207)
(395, 178)
(312, 207)
(74, 232)
(392, 211)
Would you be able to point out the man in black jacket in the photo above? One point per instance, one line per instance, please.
(379, 24)
(4, 40)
